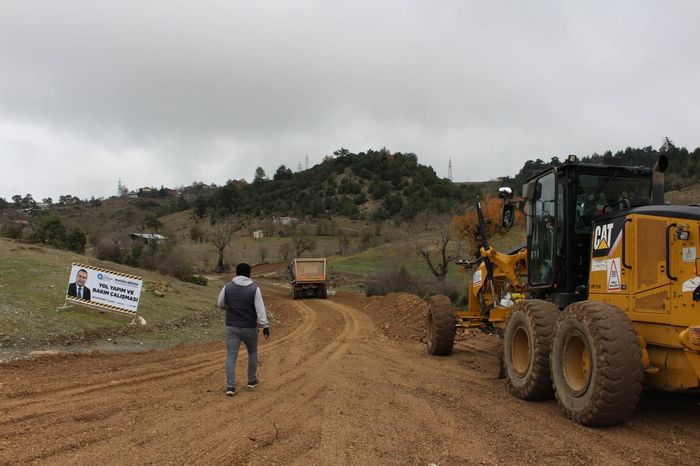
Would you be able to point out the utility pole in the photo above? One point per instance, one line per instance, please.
(307, 161)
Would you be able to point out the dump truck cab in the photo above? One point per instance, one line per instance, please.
(561, 205)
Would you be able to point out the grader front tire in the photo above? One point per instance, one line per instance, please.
(440, 326)
(596, 364)
(526, 347)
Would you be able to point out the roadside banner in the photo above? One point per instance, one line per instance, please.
(104, 289)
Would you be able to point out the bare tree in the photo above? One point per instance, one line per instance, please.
(263, 251)
(221, 237)
(343, 243)
(268, 227)
(285, 249)
(436, 248)
(301, 244)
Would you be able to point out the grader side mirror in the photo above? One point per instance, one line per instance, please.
(505, 192)
(508, 217)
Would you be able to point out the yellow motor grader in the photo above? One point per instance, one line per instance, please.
(603, 299)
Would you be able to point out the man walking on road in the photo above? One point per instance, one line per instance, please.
(245, 309)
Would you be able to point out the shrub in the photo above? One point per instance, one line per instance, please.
(467, 226)
(397, 281)
(75, 240)
(166, 259)
(133, 257)
(196, 234)
(455, 290)
(394, 281)
(12, 231)
(49, 231)
(109, 250)
(197, 280)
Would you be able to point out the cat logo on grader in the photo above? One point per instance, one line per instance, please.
(601, 236)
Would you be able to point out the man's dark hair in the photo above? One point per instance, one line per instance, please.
(81, 270)
(243, 269)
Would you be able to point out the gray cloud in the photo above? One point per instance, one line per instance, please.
(169, 92)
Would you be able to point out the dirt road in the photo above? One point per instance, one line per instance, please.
(335, 390)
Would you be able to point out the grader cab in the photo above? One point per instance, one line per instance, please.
(603, 299)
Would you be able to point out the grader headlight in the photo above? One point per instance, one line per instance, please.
(683, 235)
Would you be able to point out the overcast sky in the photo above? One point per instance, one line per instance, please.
(170, 92)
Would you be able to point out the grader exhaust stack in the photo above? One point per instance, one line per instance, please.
(657, 180)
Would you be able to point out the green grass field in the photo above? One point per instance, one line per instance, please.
(33, 283)
(391, 256)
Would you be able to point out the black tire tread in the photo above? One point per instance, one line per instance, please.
(445, 324)
(543, 316)
(618, 386)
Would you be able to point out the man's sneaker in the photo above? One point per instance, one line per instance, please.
(254, 383)
(230, 391)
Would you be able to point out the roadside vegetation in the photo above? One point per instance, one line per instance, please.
(33, 282)
(386, 222)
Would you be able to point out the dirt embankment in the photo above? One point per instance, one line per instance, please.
(342, 383)
(399, 316)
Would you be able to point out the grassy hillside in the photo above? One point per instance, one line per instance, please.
(403, 252)
(373, 184)
(33, 283)
(685, 196)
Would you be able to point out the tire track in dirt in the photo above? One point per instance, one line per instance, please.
(20, 416)
(139, 375)
(190, 367)
(297, 389)
(335, 390)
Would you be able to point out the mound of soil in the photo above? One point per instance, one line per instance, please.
(400, 316)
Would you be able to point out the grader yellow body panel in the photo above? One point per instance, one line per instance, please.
(647, 266)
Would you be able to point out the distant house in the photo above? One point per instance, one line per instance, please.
(258, 234)
(288, 221)
(147, 238)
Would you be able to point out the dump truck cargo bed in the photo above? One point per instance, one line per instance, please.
(308, 278)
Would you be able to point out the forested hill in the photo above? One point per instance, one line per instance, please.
(372, 184)
(683, 169)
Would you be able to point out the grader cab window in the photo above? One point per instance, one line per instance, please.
(543, 229)
(602, 194)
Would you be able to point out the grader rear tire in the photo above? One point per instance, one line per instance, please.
(596, 364)
(526, 347)
(440, 326)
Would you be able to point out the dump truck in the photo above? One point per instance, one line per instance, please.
(308, 278)
(603, 300)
